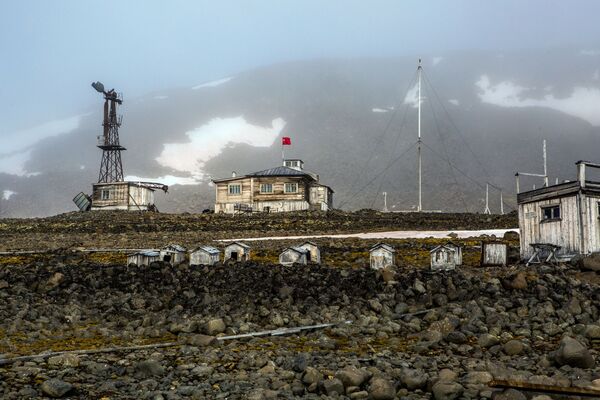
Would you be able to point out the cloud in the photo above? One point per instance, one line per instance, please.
(7, 194)
(210, 139)
(590, 52)
(412, 97)
(436, 60)
(582, 103)
(168, 180)
(379, 110)
(14, 164)
(454, 101)
(213, 83)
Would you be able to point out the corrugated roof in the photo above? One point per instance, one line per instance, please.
(208, 249)
(175, 247)
(244, 245)
(280, 171)
(384, 246)
(149, 253)
(298, 250)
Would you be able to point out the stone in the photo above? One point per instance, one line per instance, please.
(487, 340)
(332, 386)
(541, 397)
(571, 352)
(513, 347)
(382, 389)
(519, 282)
(375, 305)
(447, 375)
(199, 340)
(592, 332)
(456, 337)
(447, 390)
(311, 375)
(478, 377)
(56, 279)
(591, 262)
(214, 326)
(510, 394)
(149, 368)
(360, 395)
(56, 388)
(352, 376)
(413, 378)
(64, 360)
(269, 368)
(3, 284)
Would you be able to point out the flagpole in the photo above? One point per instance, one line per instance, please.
(282, 153)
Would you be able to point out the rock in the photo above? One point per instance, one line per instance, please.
(478, 377)
(591, 262)
(64, 360)
(149, 368)
(311, 376)
(456, 337)
(447, 375)
(513, 347)
(332, 386)
(3, 284)
(202, 370)
(382, 389)
(447, 390)
(388, 273)
(352, 376)
(214, 326)
(571, 352)
(375, 305)
(55, 280)
(486, 340)
(269, 368)
(592, 332)
(56, 388)
(413, 378)
(541, 397)
(519, 282)
(199, 340)
(510, 394)
(360, 395)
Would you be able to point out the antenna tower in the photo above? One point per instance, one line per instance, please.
(111, 167)
(419, 71)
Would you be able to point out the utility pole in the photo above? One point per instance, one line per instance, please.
(501, 204)
(487, 198)
(385, 209)
(419, 71)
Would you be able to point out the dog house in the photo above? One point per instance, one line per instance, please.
(314, 254)
(237, 251)
(446, 257)
(143, 258)
(173, 253)
(382, 255)
(294, 255)
(205, 255)
(494, 253)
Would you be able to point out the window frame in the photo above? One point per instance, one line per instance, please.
(295, 184)
(553, 217)
(263, 185)
(103, 196)
(232, 185)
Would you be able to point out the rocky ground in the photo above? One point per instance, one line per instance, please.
(413, 335)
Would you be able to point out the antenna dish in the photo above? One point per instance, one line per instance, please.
(98, 86)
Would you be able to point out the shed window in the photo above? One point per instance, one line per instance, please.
(266, 188)
(291, 187)
(235, 189)
(105, 194)
(550, 213)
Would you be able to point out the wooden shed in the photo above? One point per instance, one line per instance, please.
(494, 253)
(382, 255)
(205, 255)
(565, 215)
(173, 253)
(143, 258)
(237, 251)
(314, 254)
(446, 257)
(294, 255)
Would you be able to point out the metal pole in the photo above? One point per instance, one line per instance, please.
(487, 198)
(545, 166)
(419, 69)
(501, 204)
(517, 178)
(385, 209)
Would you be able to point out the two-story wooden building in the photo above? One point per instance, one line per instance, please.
(285, 188)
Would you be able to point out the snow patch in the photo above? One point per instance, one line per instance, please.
(454, 101)
(7, 194)
(218, 82)
(210, 139)
(436, 60)
(168, 180)
(14, 164)
(583, 102)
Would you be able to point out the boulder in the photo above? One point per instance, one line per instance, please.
(513, 347)
(510, 394)
(64, 360)
(443, 390)
(486, 340)
(332, 386)
(311, 375)
(571, 352)
(382, 389)
(592, 332)
(591, 262)
(56, 388)
(149, 368)
(352, 376)
(413, 379)
(214, 326)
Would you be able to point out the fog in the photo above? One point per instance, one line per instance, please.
(51, 51)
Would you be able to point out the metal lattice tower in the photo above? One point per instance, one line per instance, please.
(111, 167)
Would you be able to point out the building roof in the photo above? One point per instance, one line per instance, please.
(451, 247)
(309, 243)
(383, 246)
(281, 171)
(175, 247)
(298, 250)
(207, 249)
(244, 245)
(146, 253)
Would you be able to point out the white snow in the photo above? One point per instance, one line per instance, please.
(168, 180)
(213, 83)
(13, 142)
(7, 194)
(590, 52)
(14, 164)
(583, 102)
(391, 235)
(210, 139)
(454, 101)
(436, 60)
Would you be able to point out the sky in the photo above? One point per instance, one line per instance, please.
(50, 51)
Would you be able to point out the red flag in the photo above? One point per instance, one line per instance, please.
(286, 141)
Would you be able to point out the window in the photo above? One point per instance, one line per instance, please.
(235, 189)
(291, 187)
(550, 213)
(266, 188)
(105, 194)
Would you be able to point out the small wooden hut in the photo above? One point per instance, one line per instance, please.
(294, 255)
(173, 253)
(494, 253)
(382, 255)
(205, 255)
(314, 254)
(143, 257)
(446, 257)
(237, 251)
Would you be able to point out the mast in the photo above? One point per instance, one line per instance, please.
(419, 70)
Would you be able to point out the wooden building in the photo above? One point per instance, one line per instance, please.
(143, 258)
(314, 254)
(294, 255)
(446, 257)
(173, 254)
(237, 251)
(205, 255)
(494, 253)
(128, 196)
(564, 215)
(285, 188)
(382, 255)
